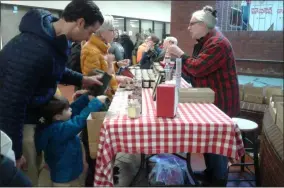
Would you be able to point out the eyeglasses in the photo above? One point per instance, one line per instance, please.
(193, 23)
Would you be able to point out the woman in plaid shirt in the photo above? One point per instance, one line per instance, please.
(212, 65)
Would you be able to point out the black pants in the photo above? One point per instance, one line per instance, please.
(91, 162)
(10, 175)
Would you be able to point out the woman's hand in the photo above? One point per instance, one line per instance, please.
(109, 58)
(174, 51)
(123, 63)
(123, 79)
(149, 46)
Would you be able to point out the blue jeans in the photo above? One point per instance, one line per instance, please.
(11, 176)
(216, 166)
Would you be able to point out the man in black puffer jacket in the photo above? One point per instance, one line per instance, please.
(31, 66)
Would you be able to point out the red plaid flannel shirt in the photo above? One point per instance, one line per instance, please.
(213, 65)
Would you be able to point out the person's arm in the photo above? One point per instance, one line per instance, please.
(209, 60)
(17, 89)
(78, 105)
(115, 67)
(71, 77)
(105, 66)
(72, 127)
(161, 56)
(140, 52)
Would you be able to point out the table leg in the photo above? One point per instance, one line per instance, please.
(190, 171)
(142, 164)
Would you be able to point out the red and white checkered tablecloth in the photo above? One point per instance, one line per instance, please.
(197, 128)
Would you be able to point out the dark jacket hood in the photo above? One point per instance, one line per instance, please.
(39, 22)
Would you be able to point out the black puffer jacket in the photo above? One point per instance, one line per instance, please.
(128, 46)
(31, 66)
(74, 58)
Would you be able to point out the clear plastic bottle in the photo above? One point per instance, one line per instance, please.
(137, 92)
(178, 72)
(167, 69)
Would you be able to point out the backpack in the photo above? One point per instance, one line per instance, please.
(74, 59)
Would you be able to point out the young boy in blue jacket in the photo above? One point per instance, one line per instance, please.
(58, 137)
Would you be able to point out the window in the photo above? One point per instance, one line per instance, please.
(236, 19)
(146, 27)
(10, 20)
(119, 24)
(132, 27)
(11, 16)
(168, 28)
(159, 29)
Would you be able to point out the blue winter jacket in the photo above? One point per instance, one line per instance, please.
(61, 144)
(31, 66)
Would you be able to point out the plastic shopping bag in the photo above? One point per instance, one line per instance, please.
(168, 170)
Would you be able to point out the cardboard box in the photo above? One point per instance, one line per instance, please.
(253, 98)
(94, 124)
(241, 92)
(166, 100)
(272, 112)
(279, 115)
(196, 100)
(269, 91)
(253, 90)
(253, 94)
(187, 95)
(280, 124)
(277, 98)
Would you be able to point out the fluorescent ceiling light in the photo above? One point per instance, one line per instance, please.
(118, 18)
(134, 20)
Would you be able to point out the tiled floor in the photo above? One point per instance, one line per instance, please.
(129, 164)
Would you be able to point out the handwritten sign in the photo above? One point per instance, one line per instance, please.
(267, 10)
(266, 15)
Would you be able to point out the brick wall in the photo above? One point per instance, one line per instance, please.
(246, 44)
(263, 45)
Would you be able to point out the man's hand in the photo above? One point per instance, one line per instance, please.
(123, 63)
(174, 51)
(91, 81)
(21, 163)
